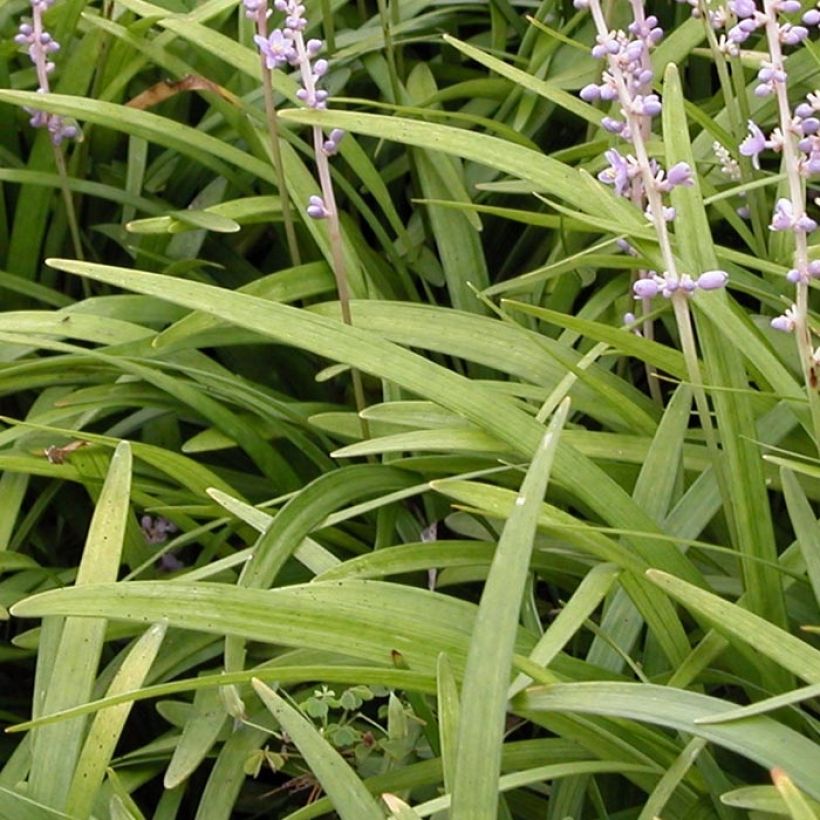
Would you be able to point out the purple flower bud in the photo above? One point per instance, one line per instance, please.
(812, 18)
(645, 288)
(805, 223)
(788, 6)
(782, 323)
(687, 284)
(680, 174)
(809, 126)
(814, 268)
(754, 144)
(783, 216)
(590, 93)
(252, 7)
(612, 125)
(712, 280)
(794, 276)
(316, 208)
(645, 77)
(331, 145)
(670, 285)
(793, 35)
(743, 8)
(651, 105)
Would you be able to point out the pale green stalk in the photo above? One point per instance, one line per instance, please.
(791, 162)
(334, 226)
(276, 152)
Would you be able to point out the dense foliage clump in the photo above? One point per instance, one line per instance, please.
(409, 409)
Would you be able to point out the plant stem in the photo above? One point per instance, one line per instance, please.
(797, 196)
(68, 200)
(334, 226)
(654, 201)
(276, 152)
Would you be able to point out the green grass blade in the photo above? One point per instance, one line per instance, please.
(671, 779)
(798, 806)
(487, 676)
(449, 710)
(21, 807)
(760, 739)
(108, 724)
(586, 598)
(767, 705)
(765, 799)
(805, 527)
(56, 748)
(743, 627)
(198, 736)
(364, 619)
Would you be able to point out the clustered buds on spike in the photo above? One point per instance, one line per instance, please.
(156, 530)
(286, 46)
(627, 81)
(627, 54)
(40, 46)
(804, 126)
(668, 284)
(798, 135)
(740, 19)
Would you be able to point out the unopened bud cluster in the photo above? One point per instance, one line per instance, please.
(286, 46)
(40, 46)
(627, 82)
(669, 284)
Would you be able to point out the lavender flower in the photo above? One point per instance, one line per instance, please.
(40, 47)
(287, 46)
(670, 284)
(628, 80)
(156, 530)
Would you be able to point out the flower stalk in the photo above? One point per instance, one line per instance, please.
(797, 138)
(628, 82)
(258, 12)
(41, 47)
(287, 46)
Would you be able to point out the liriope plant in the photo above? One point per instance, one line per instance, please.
(551, 590)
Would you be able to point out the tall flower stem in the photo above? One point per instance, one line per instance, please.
(276, 151)
(68, 201)
(791, 165)
(41, 46)
(288, 46)
(637, 131)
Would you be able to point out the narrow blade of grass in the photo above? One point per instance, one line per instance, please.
(487, 676)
